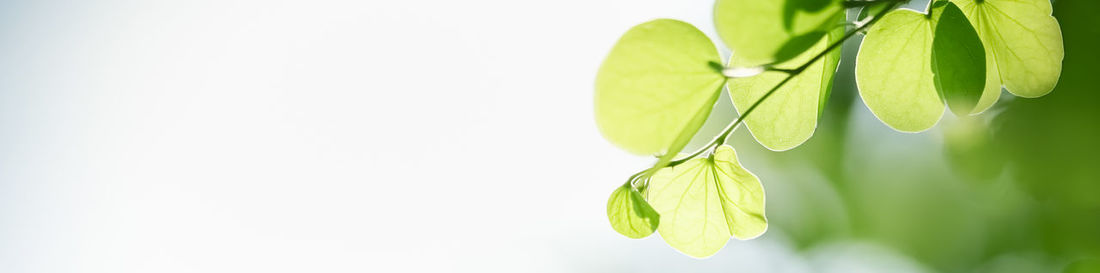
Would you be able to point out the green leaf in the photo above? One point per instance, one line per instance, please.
(1024, 41)
(958, 60)
(894, 72)
(773, 31)
(789, 116)
(655, 84)
(705, 201)
(629, 213)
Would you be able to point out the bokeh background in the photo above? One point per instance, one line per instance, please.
(457, 136)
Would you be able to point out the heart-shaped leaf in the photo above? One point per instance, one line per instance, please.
(704, 201)
(1024, 41)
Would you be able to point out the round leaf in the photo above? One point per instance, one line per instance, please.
(789, 116)
(655, 84)
(894, 74)
(629, 213)
(705, 201)
(773, 31)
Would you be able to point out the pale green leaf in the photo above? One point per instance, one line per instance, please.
(704, 201)
(629, 213)
(773, 31)
(657, 80)
(1024, 40)
(958, 60)
(789, 116)
(894, 72)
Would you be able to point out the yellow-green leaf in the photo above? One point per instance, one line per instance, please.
(657, 80)
(704, 201)
(789, 116)
(1023, 39)
(894, 72)
(629, 213)
(773, 31)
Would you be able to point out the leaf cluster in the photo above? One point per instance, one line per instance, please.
(662, 79)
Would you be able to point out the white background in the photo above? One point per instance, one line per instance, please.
(324, 136)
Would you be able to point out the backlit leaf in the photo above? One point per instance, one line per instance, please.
(789, 116)
(629, 213)
(655, 84)
(1024, 40)
(894, 72)
(773, 31)
(704, 201)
